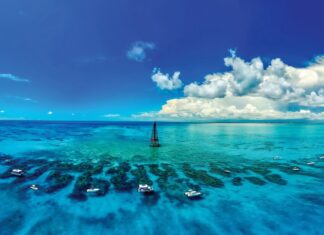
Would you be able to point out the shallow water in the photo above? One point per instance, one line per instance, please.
(260, 195)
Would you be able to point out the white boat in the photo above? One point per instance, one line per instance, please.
(17, 172)
(321, 157)
(310, 163)
(34, 187)
(92, 190)
(193, 194)
(227, 171)
(145, 188)
(295, 169)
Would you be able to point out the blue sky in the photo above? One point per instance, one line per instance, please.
(108, 60)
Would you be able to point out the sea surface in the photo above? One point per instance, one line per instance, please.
(256, 178)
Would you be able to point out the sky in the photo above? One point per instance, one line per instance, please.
(163, 60)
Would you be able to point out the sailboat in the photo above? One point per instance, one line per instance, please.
(154, 137)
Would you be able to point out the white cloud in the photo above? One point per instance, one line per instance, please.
(166, 82)
(245, 75)
(251, 90)
(2, 111)
(145, 115)
(50, 113)
(138, 50)
(215, 86)
(278, 81)
(315, 99)
(241, 80)
(228, 108)
(232, 52)
(112, 115)
(12, 77)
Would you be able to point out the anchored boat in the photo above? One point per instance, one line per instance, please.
(227, 171)
(92, 190)
(145, 188)
(17, 172)
(34, 187)
(193, 194)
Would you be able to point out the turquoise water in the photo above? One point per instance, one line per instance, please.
(260, 195)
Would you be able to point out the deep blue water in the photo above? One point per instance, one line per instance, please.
(262, 194)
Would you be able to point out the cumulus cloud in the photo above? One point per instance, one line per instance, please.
(138, 50)
(165, 81)
(252, 90)
(278, 81)
(241, 80)
(315, 99)
(12, 77)
(215, 85)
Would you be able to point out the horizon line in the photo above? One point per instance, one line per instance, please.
(278, 121)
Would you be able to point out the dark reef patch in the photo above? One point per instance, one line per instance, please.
(82, 183)
(260, 169)
(220, 171)
(201, 176)
(141, 177)
(86, 181)
(163, 175)
(119, 178)
(275, 178)
(237, 181)
(57, 181)
(255, 180)
(34, 175)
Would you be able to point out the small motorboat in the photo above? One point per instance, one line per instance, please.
(321, 157)
(33, 187)
(145, 188)
(310, 163)
(17, 172)
(295, 168)
(227, 171)
(92, 190)
(193, 194)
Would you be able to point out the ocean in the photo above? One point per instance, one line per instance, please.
(255, 178)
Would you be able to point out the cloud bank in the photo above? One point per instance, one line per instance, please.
(12, 77)
(165, 81)
(138, 50)
(251, 90)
